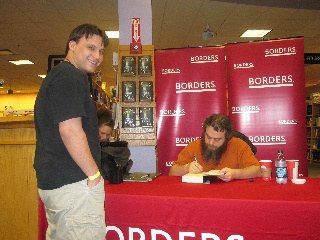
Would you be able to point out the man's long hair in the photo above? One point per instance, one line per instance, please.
(219, 123)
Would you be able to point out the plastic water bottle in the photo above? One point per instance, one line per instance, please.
(281, 168)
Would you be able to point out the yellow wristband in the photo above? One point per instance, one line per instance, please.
(93, 177)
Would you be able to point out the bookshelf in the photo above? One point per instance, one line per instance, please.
(313, 130)
(137, 108)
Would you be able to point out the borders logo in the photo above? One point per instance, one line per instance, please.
(287, 121)
(184, 141)
(268, 140)
(245, 109)
(205, 86)
(172, 112)
(276, 52)
(169, 163)
(154, 234)
(204, 59)
(271, 81)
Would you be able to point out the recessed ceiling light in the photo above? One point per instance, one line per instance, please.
(42, 76)
(21, 62)
(112, 34)
(255, 33)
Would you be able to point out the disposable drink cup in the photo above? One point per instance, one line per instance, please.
(293, 166)
(266, 167)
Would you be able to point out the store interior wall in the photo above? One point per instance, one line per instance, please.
(22, 101)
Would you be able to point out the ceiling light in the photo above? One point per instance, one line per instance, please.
(112, 34)
(255, 33)
(21, 62)
(6, 52)
(42, 76)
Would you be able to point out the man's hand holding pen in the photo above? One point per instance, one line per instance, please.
(194, 166)
(227, 174)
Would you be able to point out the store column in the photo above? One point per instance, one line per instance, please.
(128, 9)
(135, 75)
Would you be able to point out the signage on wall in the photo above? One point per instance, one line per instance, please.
(189, 76)
(312, 58)
(265, 98)
(135, 45)
(53, 60)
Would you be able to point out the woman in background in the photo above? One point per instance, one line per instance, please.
(106, 124)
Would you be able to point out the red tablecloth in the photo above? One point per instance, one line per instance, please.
(167, 209)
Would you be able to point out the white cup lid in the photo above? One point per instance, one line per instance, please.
(298, 180)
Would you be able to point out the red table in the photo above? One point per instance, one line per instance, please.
(166, 209)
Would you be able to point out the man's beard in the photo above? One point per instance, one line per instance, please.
(213, 155)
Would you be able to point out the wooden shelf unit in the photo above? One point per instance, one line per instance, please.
(313, 131)
(19, 197)
(132, 128)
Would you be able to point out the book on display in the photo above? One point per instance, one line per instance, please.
(203, 177)
(140, 177)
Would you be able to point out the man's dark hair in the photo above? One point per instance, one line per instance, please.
(105, 117)
(219, 123)
(87, 30)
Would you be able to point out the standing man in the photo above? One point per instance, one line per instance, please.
(68, 153)
(217, 149)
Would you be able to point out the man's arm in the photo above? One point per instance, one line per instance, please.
(244, 173)
(179, 170)
(77, 145)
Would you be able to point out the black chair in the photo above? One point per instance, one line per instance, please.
(246, 139)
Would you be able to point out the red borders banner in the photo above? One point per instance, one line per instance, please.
(190, 85)
(266, 97)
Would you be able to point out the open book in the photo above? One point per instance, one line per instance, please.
(203, 177)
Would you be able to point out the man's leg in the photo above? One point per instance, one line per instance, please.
(75, 211)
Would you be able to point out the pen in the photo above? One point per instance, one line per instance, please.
(222, 172)
(195, 159)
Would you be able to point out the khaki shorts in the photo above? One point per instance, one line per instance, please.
(75, 211)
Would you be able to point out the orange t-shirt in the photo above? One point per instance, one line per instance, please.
(238, 155)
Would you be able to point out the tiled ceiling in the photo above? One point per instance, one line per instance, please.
(34, 29)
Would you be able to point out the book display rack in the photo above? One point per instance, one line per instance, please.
(313, 129)
(137, 105)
